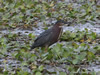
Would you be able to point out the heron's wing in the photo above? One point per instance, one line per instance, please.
(43, 34)
(43, 38)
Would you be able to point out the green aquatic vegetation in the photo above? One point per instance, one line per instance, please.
(17, 13)
(74, 49)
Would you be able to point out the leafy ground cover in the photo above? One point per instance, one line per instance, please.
(71, 55)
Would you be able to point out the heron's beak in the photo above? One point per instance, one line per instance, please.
(67, 23)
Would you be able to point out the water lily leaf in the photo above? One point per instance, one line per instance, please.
(41, 67)
(38, 73)
(90, 56)
(75, 61)
(62, 73)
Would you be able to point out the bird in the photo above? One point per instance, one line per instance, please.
(49, 36)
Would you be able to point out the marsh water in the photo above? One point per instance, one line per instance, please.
(9, 63)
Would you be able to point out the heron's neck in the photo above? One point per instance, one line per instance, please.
(57, 25)
(57, 28)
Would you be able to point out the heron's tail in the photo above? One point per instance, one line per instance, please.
(32, 47)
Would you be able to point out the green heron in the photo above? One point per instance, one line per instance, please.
(49, 36)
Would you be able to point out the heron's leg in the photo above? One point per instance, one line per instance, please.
(46, 47)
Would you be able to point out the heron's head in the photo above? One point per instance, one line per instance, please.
(60, 22)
